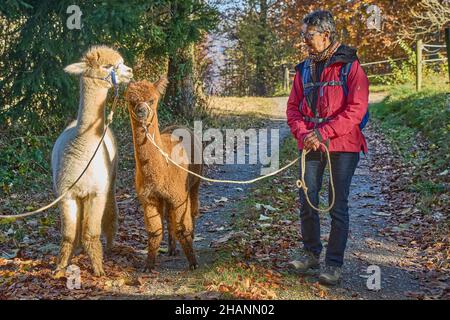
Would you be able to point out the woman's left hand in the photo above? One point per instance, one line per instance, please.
(311, 141)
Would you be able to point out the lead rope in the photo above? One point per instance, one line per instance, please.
(166, 156)
(26, 214)
(302, 184)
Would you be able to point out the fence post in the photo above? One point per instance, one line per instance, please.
(286, 78)
(418, 65)
(447, 42)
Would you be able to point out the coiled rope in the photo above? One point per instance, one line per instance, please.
(302, 184)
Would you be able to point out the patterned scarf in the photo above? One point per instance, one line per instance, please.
(321, 56)
(325, 54)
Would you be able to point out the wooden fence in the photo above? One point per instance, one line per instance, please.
(425, 53)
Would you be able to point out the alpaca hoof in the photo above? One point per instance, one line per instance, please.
(109, 248)
(108, 252)
(194, 266)
(149, 267)
(99, 272)
(152, 271)
(59, 273)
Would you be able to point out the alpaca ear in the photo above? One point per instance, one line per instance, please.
(76, 68)
(161, 84)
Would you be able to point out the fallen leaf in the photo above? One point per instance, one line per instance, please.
(222, 199)
(382, 214)
(49, 248)
(264, 218)
(259, 206)
(221, 240)
(270, 208)
(10, 255)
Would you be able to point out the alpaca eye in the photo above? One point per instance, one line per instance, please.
(108, 66)
(151, 102)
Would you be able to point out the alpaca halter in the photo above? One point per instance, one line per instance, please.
(112, 74)
(113, 77)
(150, 114)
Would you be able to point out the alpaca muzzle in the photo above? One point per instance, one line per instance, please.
(143, 113)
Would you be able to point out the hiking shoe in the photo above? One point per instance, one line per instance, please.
(330, 276)
(306, 263)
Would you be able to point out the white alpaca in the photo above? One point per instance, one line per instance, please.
(90, 207)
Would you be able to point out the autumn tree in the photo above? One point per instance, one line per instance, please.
(429, 18)
(401, 20)
(253, 65)
(186, 25)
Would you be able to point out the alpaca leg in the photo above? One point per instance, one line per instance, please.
(70, 214)
(109, 221)
(185, 231)
(170, 232)
(92, 231)
(154, 225)
(195, 202)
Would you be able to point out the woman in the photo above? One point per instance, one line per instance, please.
(327, 107)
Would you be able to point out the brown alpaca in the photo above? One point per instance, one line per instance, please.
(162, 188)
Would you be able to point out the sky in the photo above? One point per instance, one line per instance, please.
(217, 45)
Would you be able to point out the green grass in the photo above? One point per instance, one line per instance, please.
(407, 117)
(379, 88)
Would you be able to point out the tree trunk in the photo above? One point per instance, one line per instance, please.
(180, 93)
(261, 67)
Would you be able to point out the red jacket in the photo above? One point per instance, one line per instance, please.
(346, 112)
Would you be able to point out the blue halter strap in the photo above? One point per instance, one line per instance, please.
(112, 74)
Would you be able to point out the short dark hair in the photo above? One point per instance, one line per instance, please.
(323, 20)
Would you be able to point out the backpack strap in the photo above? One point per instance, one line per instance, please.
(306, 72)
(343, 75)
(323, 84)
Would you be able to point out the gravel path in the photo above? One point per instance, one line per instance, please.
(214, 222)
(366, 246)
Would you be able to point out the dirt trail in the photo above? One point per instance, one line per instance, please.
(215, 220)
